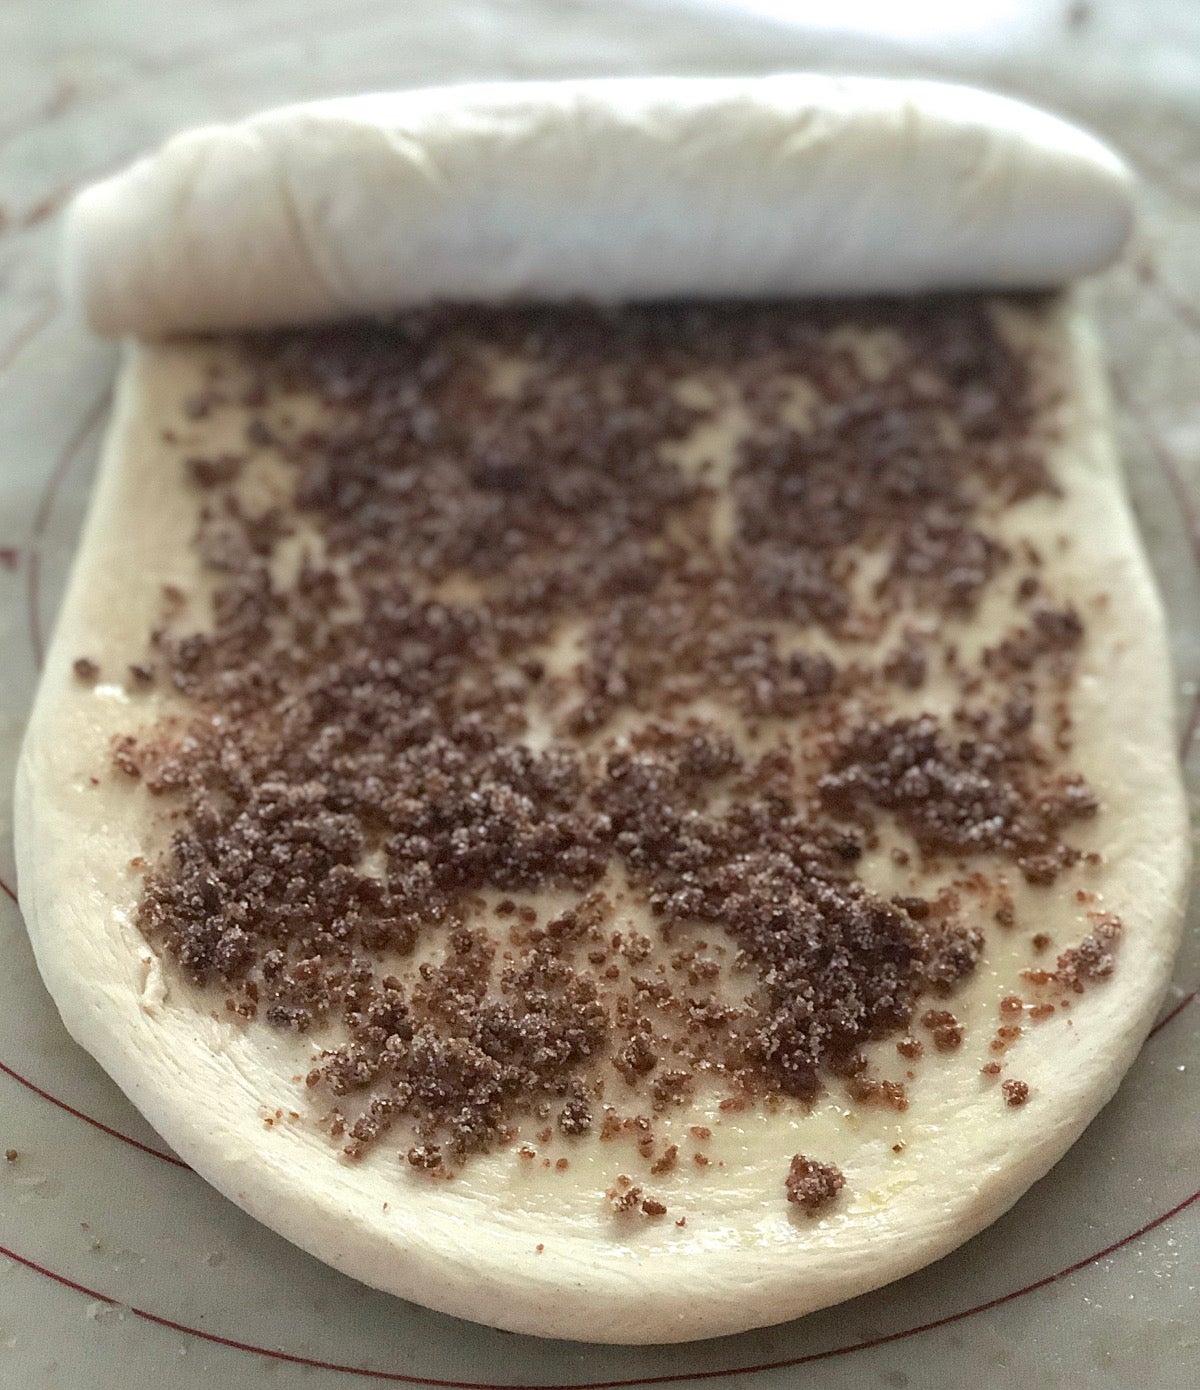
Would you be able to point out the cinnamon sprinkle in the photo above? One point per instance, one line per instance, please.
(378, 710)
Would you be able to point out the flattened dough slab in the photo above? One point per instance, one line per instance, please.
(472, 1247)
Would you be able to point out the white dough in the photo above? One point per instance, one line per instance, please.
(473, 1246)
(606, 189)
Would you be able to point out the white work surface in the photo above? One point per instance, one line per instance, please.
(118, 1266)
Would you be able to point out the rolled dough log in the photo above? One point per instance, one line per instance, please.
(608, 189)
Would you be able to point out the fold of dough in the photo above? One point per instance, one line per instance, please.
(609, 189)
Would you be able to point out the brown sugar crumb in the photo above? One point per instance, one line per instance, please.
(1011, 1004)
(562, 1164)
(701, 1160)
(1092, 960)
(666, 1160)
(681, 1222)
(11, 1155)
(377, 707)
(1040, 942)
(125, 755)
(576, 1116)
(425, 1156)
(1006, 1035)
(625, 1197)
(1040, 1012)
(210, 472)
(990, 1069)
(812, 1185)
(947, 1031)
(538, 1248)
(908, 664)
(701, 1133)
(898, 1147)
(1089, 963)
(872, 1092)
(957, 797)
(912, 1048)
(670, 1088)
(637, 1058)
(1016, 1093)
(86, 669)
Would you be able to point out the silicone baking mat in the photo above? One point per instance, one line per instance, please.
(118, 1266)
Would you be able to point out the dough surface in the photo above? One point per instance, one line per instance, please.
(611, 189)
(510, 1244)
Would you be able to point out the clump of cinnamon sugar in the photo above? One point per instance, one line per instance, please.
(384, 761)
(811, 1185)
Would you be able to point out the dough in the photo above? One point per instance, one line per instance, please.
(508, 1243)
(606, 189)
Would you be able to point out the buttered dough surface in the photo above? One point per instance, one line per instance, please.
(530, 1229)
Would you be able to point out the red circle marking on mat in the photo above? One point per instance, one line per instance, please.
(32, 575)
(91, 1119)
(20, 340)
(1187, 313)
(401, 1377)
(1172, 1014)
